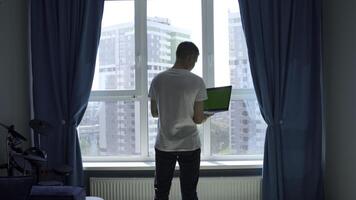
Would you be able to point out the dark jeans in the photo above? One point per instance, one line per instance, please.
(189, 164)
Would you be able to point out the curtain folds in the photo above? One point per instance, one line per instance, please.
(64, 41)
(284, 45)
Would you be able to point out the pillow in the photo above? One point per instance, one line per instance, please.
(57, 193)
(15, 187)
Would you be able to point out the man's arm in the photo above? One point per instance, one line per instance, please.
(154, 110)
(199, 116)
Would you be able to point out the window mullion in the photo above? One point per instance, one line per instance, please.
(208, 62)
(141, 70)
(208, 42)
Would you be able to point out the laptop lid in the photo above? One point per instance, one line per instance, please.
(218, 99)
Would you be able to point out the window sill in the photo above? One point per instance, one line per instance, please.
(204, 165)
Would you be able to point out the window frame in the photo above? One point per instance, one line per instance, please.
(140, 93)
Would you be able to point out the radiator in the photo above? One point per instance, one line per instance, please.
(209, 188)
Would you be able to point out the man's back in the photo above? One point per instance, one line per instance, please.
(175, 92)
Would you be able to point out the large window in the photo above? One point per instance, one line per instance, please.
(138, 40)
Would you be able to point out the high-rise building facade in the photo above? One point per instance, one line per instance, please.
(246, 127)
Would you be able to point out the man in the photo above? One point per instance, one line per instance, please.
(177, 97)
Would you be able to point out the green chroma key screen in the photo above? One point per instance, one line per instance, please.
(218, 99)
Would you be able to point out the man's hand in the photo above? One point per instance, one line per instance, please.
(154, 110)
(207, 115)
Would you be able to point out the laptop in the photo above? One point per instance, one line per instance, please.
(218, 100)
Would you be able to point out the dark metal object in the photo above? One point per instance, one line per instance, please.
(40, 126)
(11, 130)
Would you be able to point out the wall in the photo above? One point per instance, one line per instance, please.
(340, 91)
(14, 92)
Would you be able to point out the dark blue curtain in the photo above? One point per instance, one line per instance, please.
(64, 41)
(283, 39)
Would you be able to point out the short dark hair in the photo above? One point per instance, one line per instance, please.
(186, 49)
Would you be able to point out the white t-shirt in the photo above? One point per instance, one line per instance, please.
(175, 91)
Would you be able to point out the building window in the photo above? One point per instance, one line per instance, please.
(134, 47)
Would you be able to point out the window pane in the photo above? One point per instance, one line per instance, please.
(240, 131)
(115, 65)
(110, 128)
(231, 58)
(170, 22)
